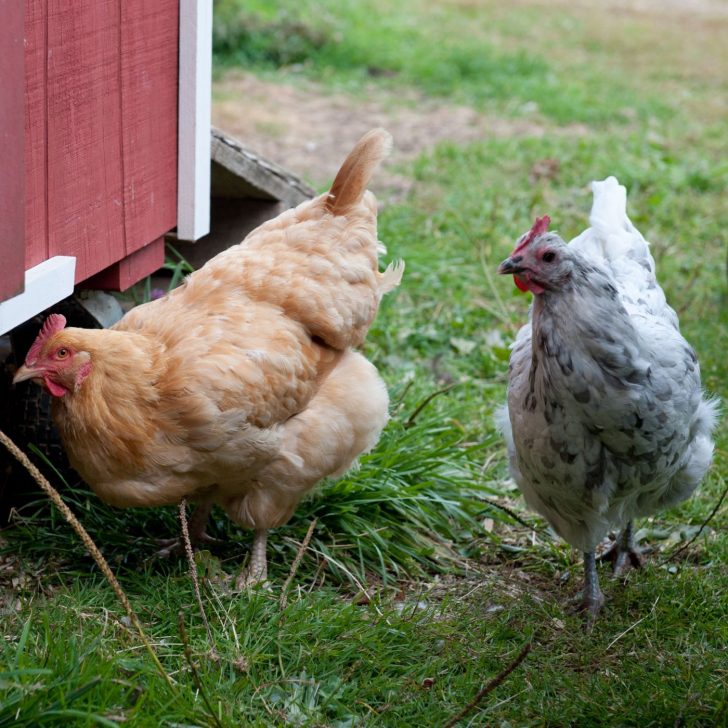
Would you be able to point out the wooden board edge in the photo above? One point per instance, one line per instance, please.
(195, 119)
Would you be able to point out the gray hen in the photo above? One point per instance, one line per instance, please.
(606, 420)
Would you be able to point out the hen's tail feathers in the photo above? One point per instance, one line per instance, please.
(356, 171)
(618, 236)
(391, 277)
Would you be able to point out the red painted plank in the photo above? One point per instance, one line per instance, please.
(12, 256)
(149, 72)
(100, 128)
(85, 174)
(36, 231)
(130, 270)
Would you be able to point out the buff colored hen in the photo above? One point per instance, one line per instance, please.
(241, 387)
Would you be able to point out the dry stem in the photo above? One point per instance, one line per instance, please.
(187, 651)
(193, 574)
(98, 557)
(296, 562)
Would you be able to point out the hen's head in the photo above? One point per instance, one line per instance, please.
(540, 260)
(56, 360)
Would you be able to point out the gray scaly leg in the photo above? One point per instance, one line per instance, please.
(592, 600)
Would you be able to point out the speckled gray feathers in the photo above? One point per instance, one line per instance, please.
(606, 420)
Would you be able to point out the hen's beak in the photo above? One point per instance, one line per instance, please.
(510, 266)
(25, 373)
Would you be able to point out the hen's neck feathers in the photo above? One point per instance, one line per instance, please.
(584, 328)
(119, 395)
(588, 298)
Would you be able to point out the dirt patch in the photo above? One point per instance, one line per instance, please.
(309, 129)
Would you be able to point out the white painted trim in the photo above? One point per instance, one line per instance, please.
(46, 284)
(195, 119)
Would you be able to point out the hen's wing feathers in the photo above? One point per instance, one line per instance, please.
(238, 354)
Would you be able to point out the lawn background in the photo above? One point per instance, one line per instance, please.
(417, 586)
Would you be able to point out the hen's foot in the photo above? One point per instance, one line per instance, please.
(590, 605)
(257, 570)
(249, 578)
(196, 529)
(622, 558)
(176, 546)
(624, 553)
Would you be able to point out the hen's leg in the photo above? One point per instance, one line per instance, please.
(257, 570)
(196, 526)
(624, 552)
(592, 599)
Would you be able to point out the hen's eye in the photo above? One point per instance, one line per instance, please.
(62, 353)
(549, 256)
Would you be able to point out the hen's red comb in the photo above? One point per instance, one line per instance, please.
(52, 325)
(539, 228)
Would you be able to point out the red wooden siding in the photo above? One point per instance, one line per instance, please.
(149, 72)
(83, 143)
(131, 269)
(11, 149)
(101, 129)
(36, 188)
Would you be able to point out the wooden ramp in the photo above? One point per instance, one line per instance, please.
(246, 191)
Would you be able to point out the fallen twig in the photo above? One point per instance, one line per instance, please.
(489, 687)
(411, 419)
(98, 557)
(193, 574)
(514, 516)
(294, 566)
(406, 389)
(682, 548)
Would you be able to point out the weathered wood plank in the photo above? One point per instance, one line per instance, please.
(85, 177)
(130, 270)
(12, 115)
(239, 172)
(36, 183)
(149, 69)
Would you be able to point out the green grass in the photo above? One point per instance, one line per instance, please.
(455, 586)
(478, 53)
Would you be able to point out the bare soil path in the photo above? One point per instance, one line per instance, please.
(309, 129)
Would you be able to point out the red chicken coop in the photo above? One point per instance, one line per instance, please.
(104, 133)
(106, 146)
